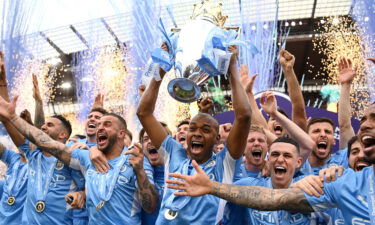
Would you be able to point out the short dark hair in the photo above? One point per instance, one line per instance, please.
(123, 124)
(280, 110)
(286, 140)
(142, 132)
(350, 143)
(65, 122)
(320, 120)
(99, 109)
(79, 136)
(129, 133)
(186, 121)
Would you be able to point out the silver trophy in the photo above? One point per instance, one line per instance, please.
(194, 42)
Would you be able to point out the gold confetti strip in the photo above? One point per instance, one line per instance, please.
(336, 40)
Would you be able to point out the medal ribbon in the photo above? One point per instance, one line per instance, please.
(13, 186)
(41, 193)
(104, 192)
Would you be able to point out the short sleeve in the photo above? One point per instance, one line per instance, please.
(328, 199)
(228, 169)
(80, 158)
(10, 157)
(25, 148)
(174, 154)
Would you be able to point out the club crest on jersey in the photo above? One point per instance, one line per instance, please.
(59, 165)
(211, 163)
(123, 168)
(170, 214)
(211, 176)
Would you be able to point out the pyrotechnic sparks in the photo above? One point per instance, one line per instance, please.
(338, 40)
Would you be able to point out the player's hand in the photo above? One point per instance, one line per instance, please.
(287, 60)
(196, 185)
(224, 130)
(346, 71)
(99, 160)
(36, 92)
(25, 114)
(78, 144)
(268, 103)
(331, 173)
(76, 200)
(312, 185)
(205, 105)
(136, 158)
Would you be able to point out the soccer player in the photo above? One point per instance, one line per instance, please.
(14, 195)
(157, 162)
(283, 160)
(111, 197)
(182, 129)
(353, 193)
(201, 137)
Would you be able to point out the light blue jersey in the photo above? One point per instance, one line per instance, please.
(61, 182)
(340, 158)
(147, 218)
(235, 214)
(123, 206)
(349, 193)
(206, 209)
(80, 216)
(11, 214)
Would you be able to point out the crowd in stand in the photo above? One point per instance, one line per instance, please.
(256, 170)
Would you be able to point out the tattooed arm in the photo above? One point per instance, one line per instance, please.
(146, 191)
(262, 198)
(36, 136)
(255, 197)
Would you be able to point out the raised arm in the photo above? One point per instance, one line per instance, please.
(99, 101)
(259, 198)
(256, 116)
(39, 112)
(298, 103)
(16, 137)
(345, 77)
(36, 136)
(146, 191)
(146, 109)
(269, 105)
(237, 137)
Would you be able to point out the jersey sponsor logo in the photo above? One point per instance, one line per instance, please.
(269, 217)
(359, 221)
(339, 222)
(55, 179)
(362, 200)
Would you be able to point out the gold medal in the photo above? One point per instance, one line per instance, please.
(100, 205)
(11, 200)
(170, 214)
(40, 206)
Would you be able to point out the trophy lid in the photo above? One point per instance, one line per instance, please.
(211, 11)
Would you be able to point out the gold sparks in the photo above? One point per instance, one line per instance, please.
(342, 39)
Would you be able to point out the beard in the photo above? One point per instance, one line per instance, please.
(111, 143)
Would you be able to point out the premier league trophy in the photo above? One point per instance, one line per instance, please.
(198, 52)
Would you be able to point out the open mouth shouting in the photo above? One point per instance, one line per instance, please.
(181, 139)
(280, 171)
(102, 139)
(257, 154)
(360, 165)
(278, 130)
(196, 147)
(322, 147)
(368, 142)
(153, 154)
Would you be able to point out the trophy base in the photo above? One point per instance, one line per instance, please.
(184, 90)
